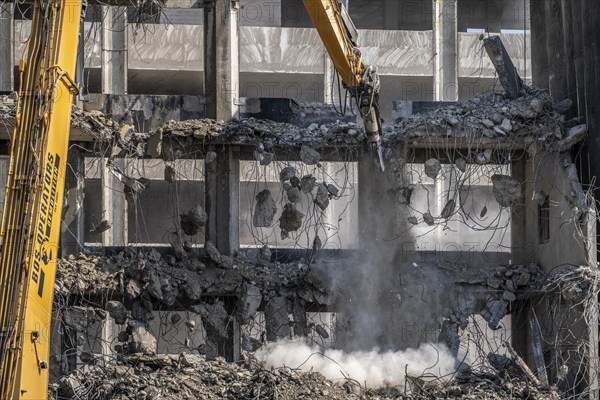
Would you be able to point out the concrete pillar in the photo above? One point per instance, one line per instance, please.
(556, 53)
(445, 37)
(391, 14)
(222, 200)
(221, 59)
(114, 50)
(7, 61)
(539, 51)
(72, 235)
(520, 249)
(114, 206)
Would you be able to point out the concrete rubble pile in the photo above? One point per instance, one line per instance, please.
(484, 386)
(192, 377)
(168, 279)
(489, 292)
(535, 118)
(130, 285)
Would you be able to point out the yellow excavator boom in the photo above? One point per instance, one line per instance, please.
(340, 37)
(34, 196)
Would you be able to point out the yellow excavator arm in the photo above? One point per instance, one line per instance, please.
(34, 195)
(340, 37)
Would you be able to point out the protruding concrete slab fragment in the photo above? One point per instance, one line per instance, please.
(507, 73)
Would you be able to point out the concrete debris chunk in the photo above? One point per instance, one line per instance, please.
(213, 252)
(141, 340)
(287, 173)
(266, 158)
(117, 311)
(461, 164)
(277, 321)
(432, 168)
(170, 174)
(428, 218)
(291, 218)
(488, 123)
(265, 210)
(321, 331)
(154, 146)
(248, 303)
(402, 195)
(506, 190)
(190, 324)
(210, 157)
(509, 296)
(193, 220)
(506, 125)
(333, 190)
(177, 245)
(309, 156)
(294, 195)
(448, 210)
(79, 318)
(102, 227)
(308, 183)
(264, 255)
(322, 197)
(498, 310)
(483, 212)
(295, 182)
(413, 220)
(215, 318)
(485, 157)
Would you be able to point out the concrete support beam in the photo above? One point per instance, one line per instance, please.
(539, 51)
(556, 52)
(6, 48)
(72, 235)
(445, 39)
(114, 50)
(222, 199)
(221, 60)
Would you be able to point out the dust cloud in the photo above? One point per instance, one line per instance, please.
(369, 368)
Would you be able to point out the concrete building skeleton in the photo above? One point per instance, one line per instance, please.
(231, 59)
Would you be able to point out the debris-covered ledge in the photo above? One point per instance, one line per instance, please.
(485, 121)
(132, 284)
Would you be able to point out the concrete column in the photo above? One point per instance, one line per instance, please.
(114, 206)
(7, 59)
(222, 200)
(539, 52)
(556, 52)
(445, 37)
(72, 235)
(391, 16)
(114, 50)
(221, 59)
(520, 254)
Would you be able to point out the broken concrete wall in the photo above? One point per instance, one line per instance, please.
(570, 218)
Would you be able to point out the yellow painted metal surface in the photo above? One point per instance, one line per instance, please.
(34, 196)
(326, 17)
